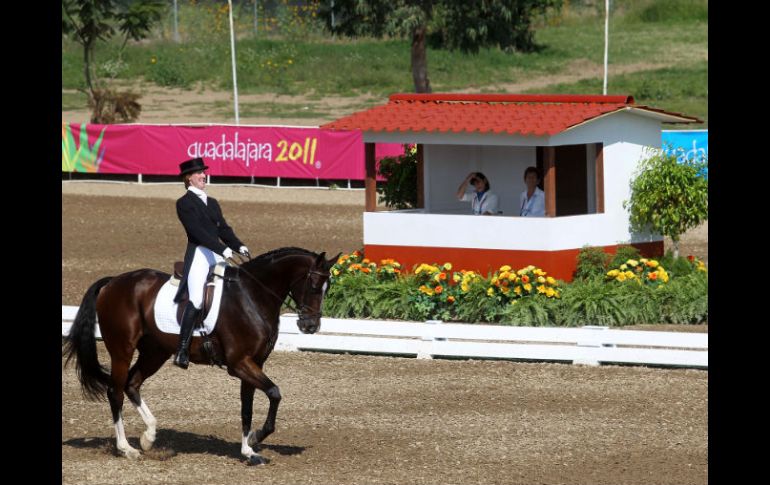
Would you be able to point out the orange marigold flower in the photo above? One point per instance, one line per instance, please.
(450, 299)
(525, 279)
(653, 276)
(438, 289)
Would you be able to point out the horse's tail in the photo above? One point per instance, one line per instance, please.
(81, 343)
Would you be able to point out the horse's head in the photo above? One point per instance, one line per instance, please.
(309, 293)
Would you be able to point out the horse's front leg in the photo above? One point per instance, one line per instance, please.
(253, 378)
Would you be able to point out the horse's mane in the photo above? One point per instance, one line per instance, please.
(271, 256)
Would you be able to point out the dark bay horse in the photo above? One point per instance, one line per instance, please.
(244, 336)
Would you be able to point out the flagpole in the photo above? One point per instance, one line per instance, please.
(232, 52)
(606, 41)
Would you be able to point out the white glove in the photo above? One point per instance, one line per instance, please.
(244, 250)
(227, 253)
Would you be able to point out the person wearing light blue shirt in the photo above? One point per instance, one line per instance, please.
(532, 200)
(483, 201)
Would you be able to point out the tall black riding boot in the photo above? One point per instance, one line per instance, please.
(189, 316)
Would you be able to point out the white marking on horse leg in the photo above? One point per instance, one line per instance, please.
(122, 442)
(247, 450)
(148, 437)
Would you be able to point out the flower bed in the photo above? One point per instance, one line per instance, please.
(636, 292)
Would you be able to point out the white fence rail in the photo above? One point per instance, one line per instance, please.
(586, 345)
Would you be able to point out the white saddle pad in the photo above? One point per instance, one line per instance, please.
(165, 308)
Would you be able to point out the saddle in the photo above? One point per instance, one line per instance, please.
(208, 291)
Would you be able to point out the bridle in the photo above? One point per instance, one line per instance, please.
(302, 312)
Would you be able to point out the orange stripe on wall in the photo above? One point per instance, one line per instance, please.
(559, 264)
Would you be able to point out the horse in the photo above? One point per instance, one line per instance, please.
(244, 336)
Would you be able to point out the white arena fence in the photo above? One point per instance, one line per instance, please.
(589, 345)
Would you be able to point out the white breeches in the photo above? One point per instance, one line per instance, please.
(203, 260)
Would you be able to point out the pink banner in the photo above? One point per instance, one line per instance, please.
(227, 150)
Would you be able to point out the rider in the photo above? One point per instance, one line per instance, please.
(204, 224)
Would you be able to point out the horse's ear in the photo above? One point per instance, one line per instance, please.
(320, 259)
(333, 261)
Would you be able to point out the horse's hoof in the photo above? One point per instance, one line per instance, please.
(132, 454)
(257, 460)
(146, 442)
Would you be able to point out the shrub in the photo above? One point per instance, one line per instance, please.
(591, 262)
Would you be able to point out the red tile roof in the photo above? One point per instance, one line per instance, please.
(519, 114)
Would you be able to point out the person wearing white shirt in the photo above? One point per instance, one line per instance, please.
(206, 229)
(532, 200)
(483, 201)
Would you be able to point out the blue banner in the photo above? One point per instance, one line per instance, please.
(689, 145)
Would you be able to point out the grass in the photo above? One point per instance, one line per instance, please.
(677, 89)
(647, 34)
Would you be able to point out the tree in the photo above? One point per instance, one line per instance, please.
(90, 21)
(668, 197)
(449, 24)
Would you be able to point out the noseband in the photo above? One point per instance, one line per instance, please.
(302, 305)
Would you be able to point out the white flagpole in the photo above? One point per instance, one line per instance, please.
(232, 51)
(606, 41)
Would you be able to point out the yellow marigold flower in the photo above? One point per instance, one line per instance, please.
(621, 277)
(540, 279)
(556, 293)
(517, 290)
(464, 287)
(512, 276)
(513, 302)
(541, 289)
(539, 272)
(630, 275)
(528, 287)
(632, 262)
(505, 290)
(522, 271)
(652, 263)
(456, 278)
(504, 274)
(493, 280)
(613, 273)
(505, 268)
(643, 260)
(447, 266)
(549, 292)
(365, 261)
(550, 280)
(623, 267)
(490, 291)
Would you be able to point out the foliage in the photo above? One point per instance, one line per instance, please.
(623, 254)
(90, 21)
(591, 262)
(110, 106)
(668, 197)
(400, 188)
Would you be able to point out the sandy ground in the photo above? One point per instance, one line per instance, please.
(385, 420)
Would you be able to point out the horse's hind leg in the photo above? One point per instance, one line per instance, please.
(115, 395)
(150, 360)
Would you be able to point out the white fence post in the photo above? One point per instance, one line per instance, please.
(592, 343)
(429, 331)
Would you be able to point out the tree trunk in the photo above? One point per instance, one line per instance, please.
(420, 61)
(87, 68)
(676, 247)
